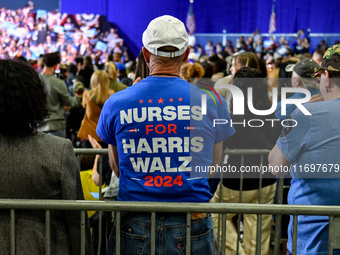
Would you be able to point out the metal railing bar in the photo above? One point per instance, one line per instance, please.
(153, 233)
(224, 233)
(331, 235)
(246, 151)
(219, 234)
(100, 227)
(117, 233)
(240, 201)
(100, 167)
(219, 215)
(12, 232)
(260, 181)
(324, 34)
(80, 151)
(212, 34)
(48, 232)
(295, 219)
(238, 233)
(278, 218)
(258, 234)
(100, 224)
(248, 34)
(266, 34)
(259, 216)
(244, 208)
(82, 233)
(188, 243)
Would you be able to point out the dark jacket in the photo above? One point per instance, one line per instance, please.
(41, 166)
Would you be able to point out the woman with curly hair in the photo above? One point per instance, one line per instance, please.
(192, 72)
(35, 165)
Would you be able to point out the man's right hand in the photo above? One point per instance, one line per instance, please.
(94, 143)
(316, 98)
(137, 80)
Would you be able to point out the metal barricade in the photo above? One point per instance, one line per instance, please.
(153, 207)
(261, 153)
(221, 249)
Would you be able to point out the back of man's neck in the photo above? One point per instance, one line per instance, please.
(48, 71)
(164, 72)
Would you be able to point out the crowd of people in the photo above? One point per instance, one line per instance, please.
(149, 115)
(29, 34)
(268, 49)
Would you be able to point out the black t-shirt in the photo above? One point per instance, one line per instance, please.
(247, 137)
(86, 73)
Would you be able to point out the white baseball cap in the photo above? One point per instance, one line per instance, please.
(166, 31)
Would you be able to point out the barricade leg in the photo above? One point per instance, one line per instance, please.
(334, 234)
(278, 218)
(331, 235)
(118, 233)
(188, 235)
(82, 231)
(153, 233)
(48, 232)
(12, 232)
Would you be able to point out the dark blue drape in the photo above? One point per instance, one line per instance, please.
(212, 16)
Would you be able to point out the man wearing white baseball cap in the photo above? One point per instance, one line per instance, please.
(158, 135)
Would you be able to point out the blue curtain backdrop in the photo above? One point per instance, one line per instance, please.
(212, 16)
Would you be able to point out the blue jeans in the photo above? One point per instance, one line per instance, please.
(135, 235)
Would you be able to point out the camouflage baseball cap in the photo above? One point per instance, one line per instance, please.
(78, 87)
(331, 59)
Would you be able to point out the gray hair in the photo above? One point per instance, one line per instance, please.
(309, 83)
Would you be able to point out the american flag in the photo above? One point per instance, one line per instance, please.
(190, 22)
(272, 22)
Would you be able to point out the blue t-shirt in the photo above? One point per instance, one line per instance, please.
(163, 139)
(291, 107)
(313, 146)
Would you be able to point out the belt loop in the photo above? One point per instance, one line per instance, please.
(161, 216)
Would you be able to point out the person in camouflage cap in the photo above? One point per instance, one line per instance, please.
(328, 75)
(331, 59)
(313, 141)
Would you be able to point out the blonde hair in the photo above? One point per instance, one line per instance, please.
(111, 70)
(99, 87)
(191, 71)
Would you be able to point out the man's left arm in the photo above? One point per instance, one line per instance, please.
(222, 132)
(217, 153)
(64, 94)
(277, 159)
(113, 157)
(292, 142)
